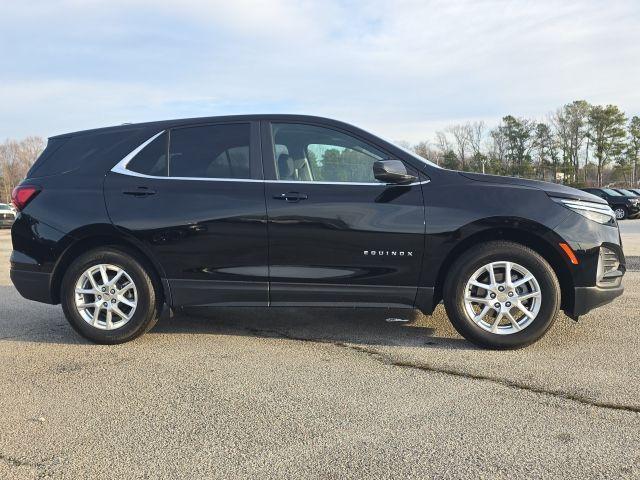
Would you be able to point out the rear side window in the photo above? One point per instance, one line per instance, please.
(210, 151)
(152, 160)
(69, 153)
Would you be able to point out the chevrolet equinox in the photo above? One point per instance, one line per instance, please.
(124, 223)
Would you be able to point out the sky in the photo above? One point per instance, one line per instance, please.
(403, 69)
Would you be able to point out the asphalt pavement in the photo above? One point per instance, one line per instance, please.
(317, 393)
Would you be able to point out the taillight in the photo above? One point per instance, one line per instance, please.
(23, 194)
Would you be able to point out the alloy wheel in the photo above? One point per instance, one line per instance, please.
(502, 297)
(106, 297)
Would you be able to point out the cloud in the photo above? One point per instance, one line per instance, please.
(403, 68)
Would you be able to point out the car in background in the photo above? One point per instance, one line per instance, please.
(624, 206)
(634, 190)
(7, 215)
(627, 192)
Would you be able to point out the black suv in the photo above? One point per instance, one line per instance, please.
(623, 205)
(124, 223)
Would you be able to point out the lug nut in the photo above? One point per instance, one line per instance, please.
(511, 294)
(104, 289)
(113, 300)
(112, 292)
(508, 304)
(501, 288)
(493, 295)
(497, 305)
(105, 304)
(99, 297)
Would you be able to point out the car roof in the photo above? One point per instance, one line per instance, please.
(164, 124)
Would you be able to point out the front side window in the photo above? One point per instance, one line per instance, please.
(317, 154)
(611, 192)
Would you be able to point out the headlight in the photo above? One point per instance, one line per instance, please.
(593, 211)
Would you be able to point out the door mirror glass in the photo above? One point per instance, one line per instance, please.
(392, 171)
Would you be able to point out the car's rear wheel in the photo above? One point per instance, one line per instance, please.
(501, 295)
(110, 297)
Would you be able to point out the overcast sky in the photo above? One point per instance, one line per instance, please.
(399, 68)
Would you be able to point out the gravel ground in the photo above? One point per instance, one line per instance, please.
(317, 393)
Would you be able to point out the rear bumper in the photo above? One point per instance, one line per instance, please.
(588, 298)
(31, 282)
(32, 285)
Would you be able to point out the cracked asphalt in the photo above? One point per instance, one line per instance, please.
(318, 393)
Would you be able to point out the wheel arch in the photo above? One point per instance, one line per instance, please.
(95, 240)
(545, 247)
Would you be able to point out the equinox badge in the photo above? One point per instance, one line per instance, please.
(390, 253)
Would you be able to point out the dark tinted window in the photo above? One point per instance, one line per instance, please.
(211, 151)
(75, 151)
(152, 160)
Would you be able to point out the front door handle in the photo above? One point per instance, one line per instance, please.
(140, 192)
(291, 197)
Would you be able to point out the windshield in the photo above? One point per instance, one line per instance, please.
(612, 192)
(414, 155)
(626, 192)
(4, 207)
(409, 152)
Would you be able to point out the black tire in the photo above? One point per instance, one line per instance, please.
(496, 251)
(149, 301)
(625, 213)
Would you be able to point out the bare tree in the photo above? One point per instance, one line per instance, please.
(462, 137)
(16, 157)
(425, 151)
(442, 143)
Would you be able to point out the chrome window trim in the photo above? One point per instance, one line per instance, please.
(121, 168)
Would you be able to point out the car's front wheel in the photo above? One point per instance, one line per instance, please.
(501, 295)
(110, 297)
(621, 213)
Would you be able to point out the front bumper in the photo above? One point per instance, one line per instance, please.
(586, 299)
(6, 222)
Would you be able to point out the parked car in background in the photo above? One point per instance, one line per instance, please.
(627, 192)
(635, 190)
(624, 206)
(288, 210)
(7, 215)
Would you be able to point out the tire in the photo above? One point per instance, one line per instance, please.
(543, 292)
(621, 213)
(145, 295)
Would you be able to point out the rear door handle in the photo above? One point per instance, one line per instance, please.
(140, 192)
(291, 197)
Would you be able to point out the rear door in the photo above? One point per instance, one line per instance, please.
(338, 236)
(194, 198)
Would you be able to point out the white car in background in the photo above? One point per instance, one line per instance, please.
(7, 215)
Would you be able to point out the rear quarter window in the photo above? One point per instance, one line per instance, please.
(65, 154)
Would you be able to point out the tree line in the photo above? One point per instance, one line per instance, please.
(579, 144)
(16, 157)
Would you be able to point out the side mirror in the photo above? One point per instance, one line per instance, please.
(392, 171)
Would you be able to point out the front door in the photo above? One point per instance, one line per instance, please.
(194, 199)
(337, 236)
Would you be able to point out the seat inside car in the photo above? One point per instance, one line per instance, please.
(285, 167)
